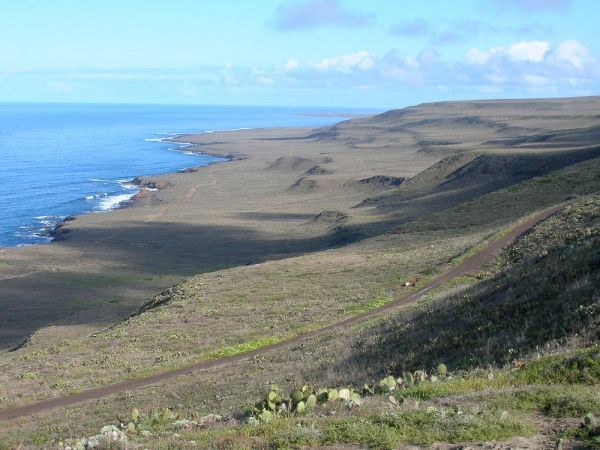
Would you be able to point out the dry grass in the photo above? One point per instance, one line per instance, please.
(303, 276)
(209, 313)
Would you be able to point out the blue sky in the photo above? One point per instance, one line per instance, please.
(345, 53)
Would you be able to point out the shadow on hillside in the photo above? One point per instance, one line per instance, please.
(135, 263)
(539, 302)
(141, 259)
(275, 216)
(484, 174)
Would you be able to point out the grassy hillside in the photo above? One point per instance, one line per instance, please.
(507, 355)
(513, 358)
(543, 292)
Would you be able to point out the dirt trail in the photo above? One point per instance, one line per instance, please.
(467, 265)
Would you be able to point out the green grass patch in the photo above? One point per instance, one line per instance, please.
(579, 368)
(477, 248)
(470, 252)
(369, 434)
(422, 427)
(285, 433)
(554, 401)
(245, 347)
(371, 304)
(582, 367)
(455, 386)
(589, 438)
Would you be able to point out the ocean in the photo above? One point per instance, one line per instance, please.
(68, 159)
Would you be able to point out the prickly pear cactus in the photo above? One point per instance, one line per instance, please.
(265, 416)
(300, 408)
(333, 394)
(297, 396)
(322, 396)
(386, 385)
(344, 394)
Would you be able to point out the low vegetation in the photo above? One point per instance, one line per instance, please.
(543, 291)
(507, 355)
(415, 408)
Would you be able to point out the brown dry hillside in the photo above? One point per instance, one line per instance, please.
(255, 207)
(302, 229)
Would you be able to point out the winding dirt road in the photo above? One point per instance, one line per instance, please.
(467, 265)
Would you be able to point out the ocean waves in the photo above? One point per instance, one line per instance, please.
(68, 159)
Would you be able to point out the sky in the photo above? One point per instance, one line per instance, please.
(375, 54)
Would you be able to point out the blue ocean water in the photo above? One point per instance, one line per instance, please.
(67, 159)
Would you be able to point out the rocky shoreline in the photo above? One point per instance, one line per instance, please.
(146, 184)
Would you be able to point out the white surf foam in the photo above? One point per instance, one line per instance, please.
(127, 184)
(49, 221)
(114, 201)
(95, 196)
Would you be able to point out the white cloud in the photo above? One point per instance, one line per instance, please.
(529, 51)
(476, 56)
(261, 77)
(291, 64)
(567, 56)
(227, 73)
(572, 52)
(519, 68)
(524, 51)
(361, 60)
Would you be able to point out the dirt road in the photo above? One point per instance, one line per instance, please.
(467, 265)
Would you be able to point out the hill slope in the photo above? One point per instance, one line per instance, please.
(273, 262)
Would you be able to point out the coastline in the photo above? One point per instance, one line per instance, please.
(202, 220)
(144, 185)
(302, 229)
(54, 230)
(284, 192)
